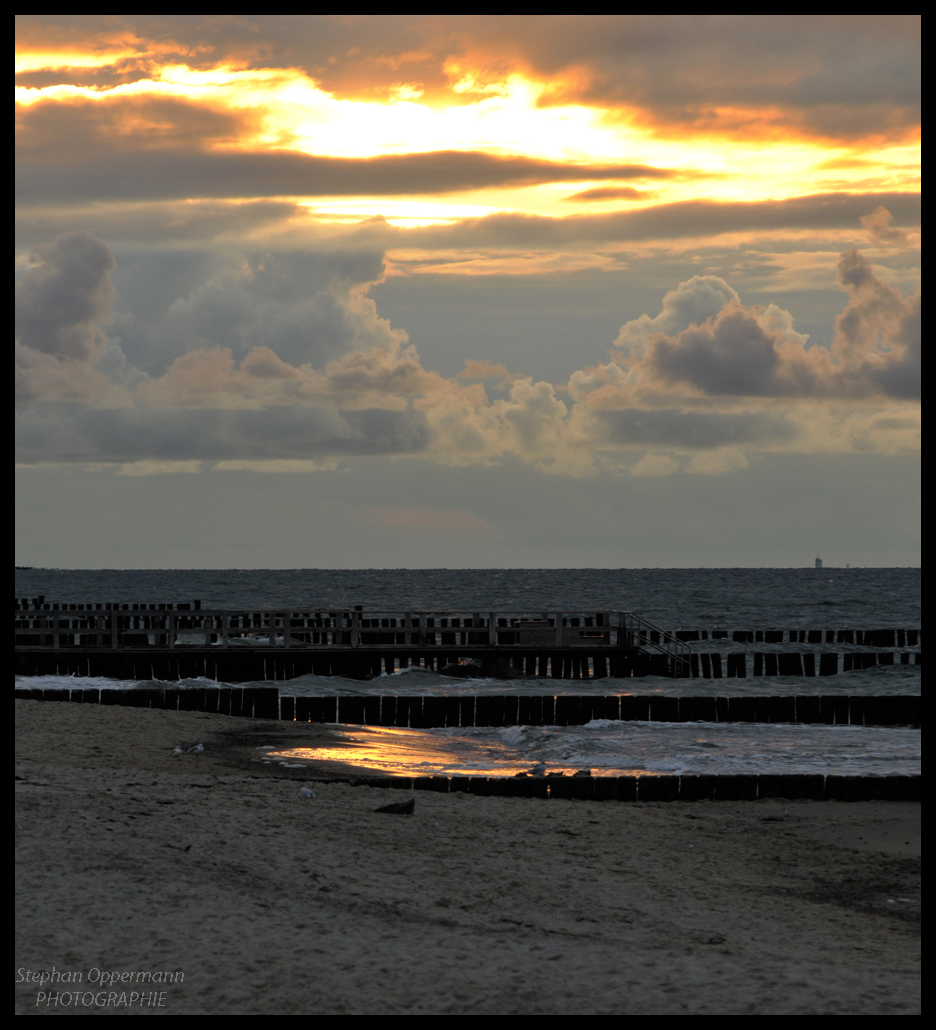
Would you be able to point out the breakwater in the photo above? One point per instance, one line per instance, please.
(742, 787)
(248, 664)
(484, 710)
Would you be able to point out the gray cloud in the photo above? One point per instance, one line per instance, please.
(73, 151)
(691, 303)
(732, 356)
(307, 306)
(880, 332)
(684, 219)
(837, 75)
(693, 430)
(151, 223)
(65, 296)
(283, 356)
(881, 230)
(902, 375)
(610, 193)
(60, 433)
(355, 53)
(733, 351)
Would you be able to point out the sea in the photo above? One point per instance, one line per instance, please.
(674, 599)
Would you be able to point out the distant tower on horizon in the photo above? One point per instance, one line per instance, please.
(818, 562)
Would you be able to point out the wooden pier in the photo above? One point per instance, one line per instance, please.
(185, 641)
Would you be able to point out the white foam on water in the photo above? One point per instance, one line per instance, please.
(616, 748)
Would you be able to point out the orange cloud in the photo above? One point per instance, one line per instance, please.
(428, 518)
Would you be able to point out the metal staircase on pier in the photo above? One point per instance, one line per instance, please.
(669, 656)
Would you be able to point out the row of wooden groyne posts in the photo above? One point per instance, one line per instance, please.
(159, 642)
(165, 619)
(562, 710)
(434, 711)
(248, 665)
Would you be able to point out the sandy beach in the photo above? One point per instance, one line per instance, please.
(214, 866)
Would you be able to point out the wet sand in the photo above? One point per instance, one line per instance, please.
(267, 902)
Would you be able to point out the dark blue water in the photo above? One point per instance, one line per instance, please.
(672, 598)
(748, 599)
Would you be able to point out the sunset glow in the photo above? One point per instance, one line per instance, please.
(649, 220)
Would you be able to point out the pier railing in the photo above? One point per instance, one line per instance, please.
(646, 636)
(137, 626)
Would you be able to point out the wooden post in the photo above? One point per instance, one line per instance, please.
(828, 664)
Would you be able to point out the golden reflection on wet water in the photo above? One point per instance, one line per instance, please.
(401, 752)
(404, 752)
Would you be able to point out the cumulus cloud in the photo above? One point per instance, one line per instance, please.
(489, 370)
(692, 303)
(306, 306)
(360, 379)
(282, 362)
(705, 339)
(39, 376)
(268, 303)
(878, 335)
(65, 297)
(881, 229)
(733, 354)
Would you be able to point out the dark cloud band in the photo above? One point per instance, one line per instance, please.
(693, 430)
(66, 433)
(48, 175)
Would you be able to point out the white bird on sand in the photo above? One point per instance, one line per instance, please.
(175, 752)
(196, 750)
(306, 793)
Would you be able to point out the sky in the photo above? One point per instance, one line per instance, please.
(467, 291)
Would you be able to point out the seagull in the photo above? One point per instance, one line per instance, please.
(306, 793)
(196, 750)
(175, 752)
